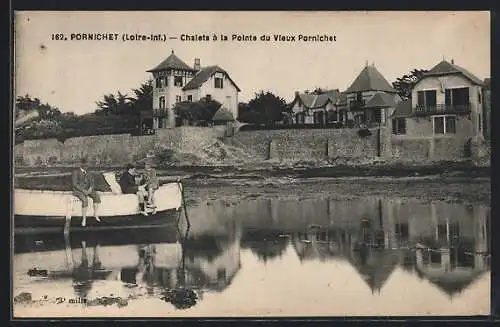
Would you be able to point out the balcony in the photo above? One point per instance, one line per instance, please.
(357, 105)
(442, 109)
(160, 112)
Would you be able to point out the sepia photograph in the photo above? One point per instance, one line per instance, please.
(251, 164)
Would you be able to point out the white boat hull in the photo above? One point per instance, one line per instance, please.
(55, 204)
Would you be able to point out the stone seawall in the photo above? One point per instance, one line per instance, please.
(111, 149)
(282, 145)
(309, 144)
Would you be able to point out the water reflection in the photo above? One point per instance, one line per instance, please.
(445, 244)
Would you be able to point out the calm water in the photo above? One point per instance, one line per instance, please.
(268, 257)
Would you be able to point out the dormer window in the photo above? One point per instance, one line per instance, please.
(218, 83)
(218, 80)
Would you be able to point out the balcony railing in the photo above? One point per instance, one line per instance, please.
(453, 109)
(357, 105)
(160, 112)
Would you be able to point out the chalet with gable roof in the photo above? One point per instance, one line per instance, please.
(446, 107)
(319, 107)
(175, 81)
(370, 98)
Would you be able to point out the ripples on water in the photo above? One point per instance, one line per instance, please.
(276, 257)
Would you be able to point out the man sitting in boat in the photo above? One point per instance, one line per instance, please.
(83, 188)
(129, 186)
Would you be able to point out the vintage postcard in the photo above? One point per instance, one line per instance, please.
(251, 164)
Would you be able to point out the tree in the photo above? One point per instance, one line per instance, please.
(143, 100)
(26, 104)
(266, 108)
(114, 105)
(404, 84)
(243, 108)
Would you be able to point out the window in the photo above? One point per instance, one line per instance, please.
(218, 83)
(300, 118)
(208, 96)
(456, 97)
(359, 97)
(377, 115)
(162, 102)
(444, 124)
(178, 81)
(190, 98)
(479, 96)
(178, 98)
(332, 115)
(399, 126)
(221, 274)
(158, 83)
(426, 98)
(450, 125)
(166, 81)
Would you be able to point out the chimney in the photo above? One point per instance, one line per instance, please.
(306, 91)
(296, 92)
(196, 64)
(452, 61)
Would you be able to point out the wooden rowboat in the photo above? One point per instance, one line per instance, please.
(50, 209)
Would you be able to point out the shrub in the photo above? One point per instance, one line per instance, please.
(52, 160)
(364, 132)
(19, 160)
(39, 161)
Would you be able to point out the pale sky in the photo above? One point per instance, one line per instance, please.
(73, 75)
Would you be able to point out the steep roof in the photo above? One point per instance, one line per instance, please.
(447, 68)
(342, 100)
(223, 114)
(204, 74)
(314, 100)
(375, 274)
(452, 284)
(333, 95)
(403, 109)
(172, 62)
(370, 79)
(382, 99)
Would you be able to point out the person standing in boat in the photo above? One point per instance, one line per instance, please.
(129, 186)
(83, 188)
(151, 181)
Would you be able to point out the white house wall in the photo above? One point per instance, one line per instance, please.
(194, 93)
(450, 82)
(220, 94)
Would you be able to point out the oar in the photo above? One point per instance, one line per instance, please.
(184, 202)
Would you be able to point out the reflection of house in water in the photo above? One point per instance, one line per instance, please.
(266, 245)
(455, 255)
(376, 235)
(204, 263)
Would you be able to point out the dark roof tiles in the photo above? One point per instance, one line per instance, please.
(370, 79)
(446, 68)
(203, 75)
(172, 62)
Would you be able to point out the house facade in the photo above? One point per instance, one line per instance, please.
(445, 107)
(318, 108)
(175, 81)
(370, 98)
